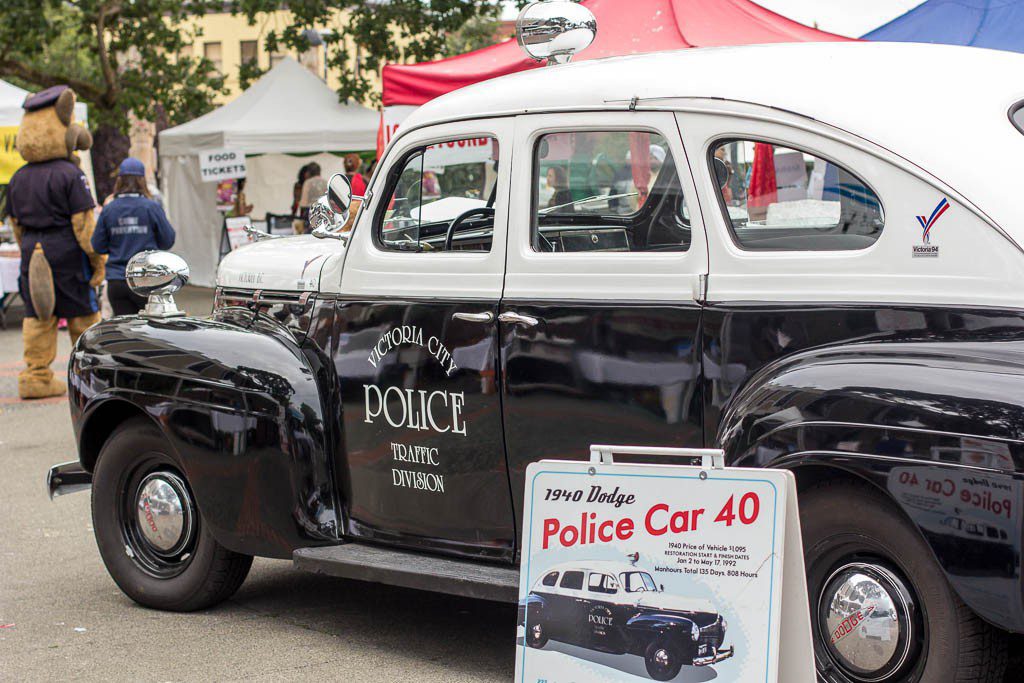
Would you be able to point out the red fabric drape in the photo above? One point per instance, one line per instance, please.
(624, 28)
(381, 142)
(763, 190)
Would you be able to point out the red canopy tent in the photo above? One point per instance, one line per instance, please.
(623, 27)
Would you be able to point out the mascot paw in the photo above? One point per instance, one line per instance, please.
(99, 274)
(30, 388)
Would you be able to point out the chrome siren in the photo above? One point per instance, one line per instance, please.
(555, 30)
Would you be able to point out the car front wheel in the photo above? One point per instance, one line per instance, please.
(663, 660)
(881, 608)
(149, 531)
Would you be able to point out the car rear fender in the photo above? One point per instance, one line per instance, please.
(938, 427)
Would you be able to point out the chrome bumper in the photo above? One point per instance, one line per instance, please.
(68, 477)
(715, 658)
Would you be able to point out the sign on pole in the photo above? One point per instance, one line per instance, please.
(221, 164)
(641, 572)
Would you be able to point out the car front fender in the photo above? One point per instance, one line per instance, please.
(671, 625)
(245, 408)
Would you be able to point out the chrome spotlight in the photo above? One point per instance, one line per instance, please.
(157, 275)
(555, 30)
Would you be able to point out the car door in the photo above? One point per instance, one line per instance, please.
(605, 617)
(422, 461)
(571, 613)
(600, 315)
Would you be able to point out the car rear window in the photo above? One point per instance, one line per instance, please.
(778, 198)
(572, 580)
(551, 579)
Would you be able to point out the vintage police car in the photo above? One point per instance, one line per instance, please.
(617, 607)
(807, 255)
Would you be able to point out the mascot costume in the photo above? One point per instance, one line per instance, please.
(51, 210)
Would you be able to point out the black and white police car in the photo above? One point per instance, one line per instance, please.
(617, 607)
(808, 255)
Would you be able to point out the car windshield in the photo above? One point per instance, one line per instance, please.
(637, 582)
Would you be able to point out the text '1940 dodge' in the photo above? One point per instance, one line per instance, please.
(807, 270)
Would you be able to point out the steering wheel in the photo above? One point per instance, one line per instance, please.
(481, 211)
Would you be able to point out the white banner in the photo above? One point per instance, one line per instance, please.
(221, 164)
(640, 572)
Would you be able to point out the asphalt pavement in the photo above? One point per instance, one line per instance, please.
(62, 617)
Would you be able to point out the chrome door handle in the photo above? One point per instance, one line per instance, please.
(484, 317)
(518, 318)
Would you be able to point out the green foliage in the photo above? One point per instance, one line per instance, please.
(372, 33)
(118, 55)
(477, 33)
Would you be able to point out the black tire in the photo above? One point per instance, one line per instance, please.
(663, 671)
(203, 572)
(844, 521)
(536, 635)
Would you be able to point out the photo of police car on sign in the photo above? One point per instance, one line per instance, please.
(618, 608)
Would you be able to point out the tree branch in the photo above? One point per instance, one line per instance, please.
(109, 77)
(84, 89)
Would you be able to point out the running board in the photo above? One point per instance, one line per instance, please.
(412, 570)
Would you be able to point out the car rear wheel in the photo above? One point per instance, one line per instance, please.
(881, 608)
(149, 531)
(663, 660)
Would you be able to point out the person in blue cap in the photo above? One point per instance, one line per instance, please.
(130, 222)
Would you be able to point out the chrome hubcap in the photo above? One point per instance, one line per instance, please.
(865, 614)
(661, 658)
(537, 631)
(164, 513)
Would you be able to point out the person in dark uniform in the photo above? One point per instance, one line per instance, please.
(51, 210)
(131, 222)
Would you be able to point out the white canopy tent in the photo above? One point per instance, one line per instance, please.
(289, 111)
(11, 99)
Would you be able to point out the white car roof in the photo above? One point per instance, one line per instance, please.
(943, 108)
(603, 566)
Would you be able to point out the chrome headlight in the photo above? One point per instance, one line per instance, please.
(695, 632)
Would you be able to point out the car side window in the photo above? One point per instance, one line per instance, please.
(607, 191)
(441, 197)
(551, 579)
(778, 198)
(572, 581)
(602, 583)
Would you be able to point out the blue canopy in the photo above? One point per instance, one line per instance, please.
(997, 24)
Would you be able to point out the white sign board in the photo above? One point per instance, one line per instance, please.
(221, 164)
(711, 556)
(235, 227)
(791, 176)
